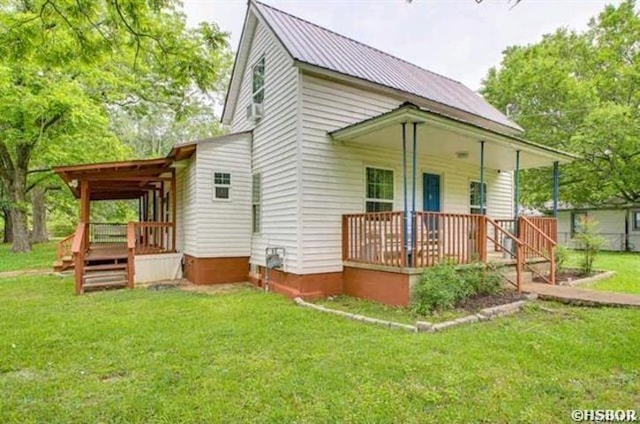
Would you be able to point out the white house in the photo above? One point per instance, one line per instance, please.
(360, 167)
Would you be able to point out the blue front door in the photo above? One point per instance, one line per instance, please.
(431, 192)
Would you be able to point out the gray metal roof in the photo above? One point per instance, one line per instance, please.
(312, 44)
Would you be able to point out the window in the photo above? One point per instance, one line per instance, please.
(256, 200)
(635, 215)
(474, 197)
(576, 220)
(258, 82)
(222, 185)
(379, 190)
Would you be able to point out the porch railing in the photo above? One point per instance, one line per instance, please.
(508, 225)
(539, 243)
(79, 250)
(153, 237)
(64, 247)
(107, 232)
(374, 238)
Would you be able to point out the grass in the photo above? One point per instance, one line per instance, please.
(390, 313)
(171, 356)
(42, 256)
(626, 265)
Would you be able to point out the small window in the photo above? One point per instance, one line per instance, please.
(258, 82)
(475, 189)
(576, 222)
(222, 185)
(256, 203)
(379, 190)
(635, 215)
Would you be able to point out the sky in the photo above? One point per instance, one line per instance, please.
(456, 38)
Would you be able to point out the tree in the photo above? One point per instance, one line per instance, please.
(579, 92)
(65, 63)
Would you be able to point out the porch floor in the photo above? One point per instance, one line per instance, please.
(580, 295)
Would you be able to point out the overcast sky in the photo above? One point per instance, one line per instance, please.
(457, 38)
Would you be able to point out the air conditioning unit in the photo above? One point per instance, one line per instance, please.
(255, 112)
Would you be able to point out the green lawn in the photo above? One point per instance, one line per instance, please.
(42, 256)
(626, 266)
(171, 356)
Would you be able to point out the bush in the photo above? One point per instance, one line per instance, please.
(590, 242)
(561, 255)
(445, 285)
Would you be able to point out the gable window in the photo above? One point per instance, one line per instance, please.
(379, 190)
(256, 203)
(258, 82)
(222, 185)
(474, 198)
(635, 216)
(576, 222)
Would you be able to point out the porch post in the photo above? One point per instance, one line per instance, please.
(556, 187)
(482, 205)
(174, 193)
(516, 187)
(85, 210)
(413, 192)
(405, 223)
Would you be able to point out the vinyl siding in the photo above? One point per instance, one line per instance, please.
(186, 237)
(611, 226)
(224, 226)
(333, 174)
(274, 148)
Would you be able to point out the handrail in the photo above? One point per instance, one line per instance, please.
(551, 245)
(78, 250)
(65, 245)
(518, 250)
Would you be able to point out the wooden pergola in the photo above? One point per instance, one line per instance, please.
(152, 182)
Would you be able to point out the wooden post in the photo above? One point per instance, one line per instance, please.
(482, 238)
(345, 238)
(519, 264)
(174, 191)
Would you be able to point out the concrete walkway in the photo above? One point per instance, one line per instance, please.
(581, 296)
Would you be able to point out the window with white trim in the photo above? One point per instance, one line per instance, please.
(636, 220)
(222, 185)
(474, 197)
(256, 203)
(577, 219)
(379, 190)
(258, 82)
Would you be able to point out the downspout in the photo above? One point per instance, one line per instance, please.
(482, 205)
(413, 189)
(556, 188)
(405, 228)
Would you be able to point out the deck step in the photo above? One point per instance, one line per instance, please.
(103, 276)
(105, 267)
(105, 285)
(527, 276)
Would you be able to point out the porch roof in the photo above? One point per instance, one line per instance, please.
(447, 137)
(116, 180)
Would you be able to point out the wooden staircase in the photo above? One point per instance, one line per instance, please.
(105, 273)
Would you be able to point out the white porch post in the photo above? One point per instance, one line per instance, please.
(405, 220)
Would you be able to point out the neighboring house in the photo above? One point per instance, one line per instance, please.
(362, 168)
(618, 225)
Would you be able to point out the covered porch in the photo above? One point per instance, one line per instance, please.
(429, 229)
(105, 254)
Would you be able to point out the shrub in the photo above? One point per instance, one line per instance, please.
(590, 242)
(561, 255)
(446, 285)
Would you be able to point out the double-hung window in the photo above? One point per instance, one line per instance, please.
(576, 222)
(258, 82)
(635, 216)
(477, 206)
(379, 190)
(222, 185)
(256, 203)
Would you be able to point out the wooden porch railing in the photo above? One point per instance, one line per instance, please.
(516, 252)
(65, 247)
(507, 225)
(539, 243)
(100, 232)
(457, 238)
(154, 237)
(79, 250)
(374, 238)
(131, 247)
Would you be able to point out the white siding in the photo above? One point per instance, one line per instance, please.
(187, 207)
(224, 226)
(333, 176)
(611, 225)
(274, 150)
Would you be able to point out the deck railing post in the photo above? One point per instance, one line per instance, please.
(345, 238)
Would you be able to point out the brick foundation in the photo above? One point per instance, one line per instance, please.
(216, 270)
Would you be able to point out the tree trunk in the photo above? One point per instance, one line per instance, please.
(39, 210)
(18, 208)
(7, 237)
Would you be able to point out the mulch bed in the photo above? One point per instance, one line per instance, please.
(474, 304)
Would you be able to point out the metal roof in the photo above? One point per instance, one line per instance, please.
(312, 44)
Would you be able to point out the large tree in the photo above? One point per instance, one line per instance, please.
(64, 64)
(579, 92)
